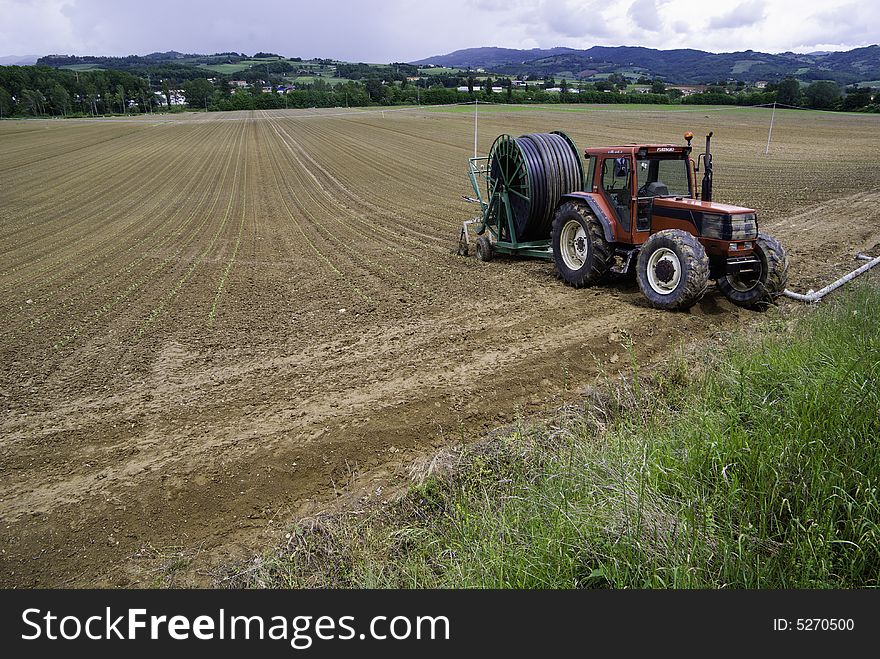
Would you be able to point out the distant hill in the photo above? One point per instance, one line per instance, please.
(493, 57)
(678, 66)
(684, 66)
(18, 60)
(136, 61)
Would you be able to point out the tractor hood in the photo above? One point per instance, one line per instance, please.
(712, 220)
(696, 206)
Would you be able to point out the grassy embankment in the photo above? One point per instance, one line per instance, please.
(753, 466)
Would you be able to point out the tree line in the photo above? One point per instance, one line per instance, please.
(819, 95)
(395, 71)
(42, 90)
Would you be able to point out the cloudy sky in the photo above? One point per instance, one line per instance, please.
(400, 30)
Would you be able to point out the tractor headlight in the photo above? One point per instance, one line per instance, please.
(714, 225)
(743, 227)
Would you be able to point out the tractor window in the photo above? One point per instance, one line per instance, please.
(613, 178)
(616, 186)
(591, 173)
(663, 178)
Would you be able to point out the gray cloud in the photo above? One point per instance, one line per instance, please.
(645, 14)
(574, 19)
(490, 5)
(389, 30)
(853, 23)
(747, 13)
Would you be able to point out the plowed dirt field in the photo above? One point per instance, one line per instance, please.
(213, 323)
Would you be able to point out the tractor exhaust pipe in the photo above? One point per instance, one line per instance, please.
(706, 194)
(815, 296)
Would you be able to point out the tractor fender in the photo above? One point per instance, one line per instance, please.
(608, 226)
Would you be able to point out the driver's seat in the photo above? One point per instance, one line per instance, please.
(656, 189)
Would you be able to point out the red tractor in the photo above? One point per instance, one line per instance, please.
(636, 205)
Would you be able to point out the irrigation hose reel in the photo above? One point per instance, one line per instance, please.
(519, 184)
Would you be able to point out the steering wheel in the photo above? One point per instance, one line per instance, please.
(643, 191)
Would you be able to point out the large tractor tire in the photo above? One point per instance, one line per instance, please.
(761, 291)
(672, 270)
(580, 251)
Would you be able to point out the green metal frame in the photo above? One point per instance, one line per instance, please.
(497, 215)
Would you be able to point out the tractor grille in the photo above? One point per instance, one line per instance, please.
(743, 226)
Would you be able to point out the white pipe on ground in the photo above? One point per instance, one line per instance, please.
(812, 297)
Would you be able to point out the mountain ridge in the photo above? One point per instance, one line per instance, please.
(18, 60)
(681, 65)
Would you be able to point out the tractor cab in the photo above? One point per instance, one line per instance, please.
(632, 179)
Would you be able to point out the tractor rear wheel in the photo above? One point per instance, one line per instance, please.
(580, 251)
(484, 248)
(759, 291)
(672, 270)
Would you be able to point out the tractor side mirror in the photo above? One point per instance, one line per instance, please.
(621, 167)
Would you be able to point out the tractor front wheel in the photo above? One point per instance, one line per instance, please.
(761, 290)
(672, 270)
(580, 251)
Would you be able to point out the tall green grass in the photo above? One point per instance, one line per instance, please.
(755, 466)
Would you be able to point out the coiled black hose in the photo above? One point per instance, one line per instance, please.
(536, 170)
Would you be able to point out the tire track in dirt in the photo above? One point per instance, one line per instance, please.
(422, 209)
(339, 192)
(830, 252)
(384, 278)
(404, 171)
(385, 249)
(276, 167)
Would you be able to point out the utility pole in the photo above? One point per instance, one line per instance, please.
(770, 132)
(476, 112)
